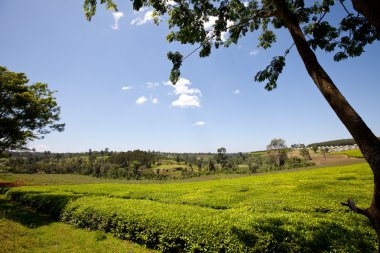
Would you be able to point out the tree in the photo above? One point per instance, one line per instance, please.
(277, 152)
(370, 9)
(199, 163)
(304, 152)
(221, 157)
(324, 151)
(211, 165)
(347, 38)
(27, 112)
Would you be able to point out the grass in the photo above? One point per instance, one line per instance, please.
(171, 166)
(74, 179)
(258, 153)
(23, 230)
(62, 179)
(287, 211)
(349, 153)
(321, 187)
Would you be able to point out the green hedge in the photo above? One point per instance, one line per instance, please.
(285, 212)
(182, 228)
(51, 203)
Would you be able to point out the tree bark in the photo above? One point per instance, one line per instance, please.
(370, 9)
(368, 143)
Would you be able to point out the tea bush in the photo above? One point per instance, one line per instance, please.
(279, 212)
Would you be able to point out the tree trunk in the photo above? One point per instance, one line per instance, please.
(368, 143)
(370, 9)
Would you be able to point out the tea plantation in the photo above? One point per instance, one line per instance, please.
(279, 212)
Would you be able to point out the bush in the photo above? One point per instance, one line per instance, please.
(180, 228)
(280, 212)
(296, 162)
(51, 203)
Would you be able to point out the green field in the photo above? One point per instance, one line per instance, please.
(23, 230)
(280, 212)
(349, 153)
(55, 179)
(75, 179)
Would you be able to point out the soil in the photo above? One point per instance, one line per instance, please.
(330, 160)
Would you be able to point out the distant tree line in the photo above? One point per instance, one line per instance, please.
(131, 164)
(340, 142)
(139, 164)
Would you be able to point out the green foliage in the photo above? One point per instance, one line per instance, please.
(314, 148)
(304, 152)
(271, 72)
(340, 142)
(287, 212)
(296, 162)
(360, 33)
(266, 39)
(89, 7)
(139, 165)
(46, 202)
(131, 164)
(175, 73)
(180, 228)
(24, 230)
(277, 152)
(351, 153)
(345, 36)
(221, 157)
(27, 112)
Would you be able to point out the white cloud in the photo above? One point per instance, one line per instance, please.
(188, 97)
(126, 87)
(116, 17)
(254, 52)
(142, 9)
(182, 87)
(209, 26)
(141, 100)
(237, 92)
(186, 101)
(148, 16)
(199, 123)
(151, 85)
(154, 100)
(171, 3)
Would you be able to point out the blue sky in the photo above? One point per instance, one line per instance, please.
(112, 85)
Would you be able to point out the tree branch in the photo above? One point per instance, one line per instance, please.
(351, 204)
(344, 7)
(271, 13)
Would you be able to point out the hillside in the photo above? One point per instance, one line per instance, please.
(275, 212)
(340, 142)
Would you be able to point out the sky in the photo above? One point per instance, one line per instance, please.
(111, 77)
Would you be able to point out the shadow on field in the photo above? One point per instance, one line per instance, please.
(21, 214)
(277, 235)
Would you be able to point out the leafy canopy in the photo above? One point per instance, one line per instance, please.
(277, 152)
(277, 144)
(345, 36)
(27, 112)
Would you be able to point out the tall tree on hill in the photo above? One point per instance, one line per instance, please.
(277, 152)
(187, 21)
(27, 111)
(221, 157)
